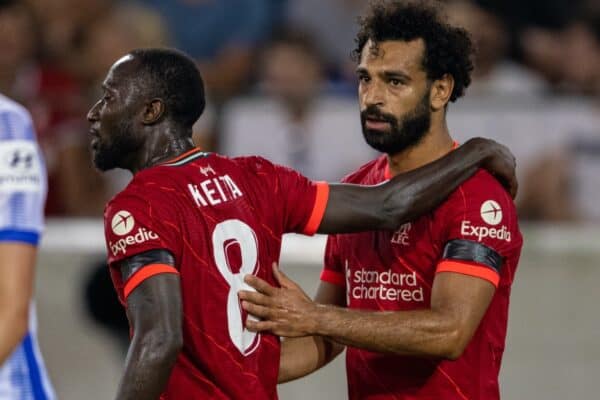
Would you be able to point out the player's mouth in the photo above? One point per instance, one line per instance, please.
(377, 124)
(95, 138)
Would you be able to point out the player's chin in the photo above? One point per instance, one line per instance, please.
(101, 162)
(376, 139)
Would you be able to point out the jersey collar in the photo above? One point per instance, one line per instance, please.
(182, 156)
(387, 174)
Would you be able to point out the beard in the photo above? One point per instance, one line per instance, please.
(112, 154)
(404, 133)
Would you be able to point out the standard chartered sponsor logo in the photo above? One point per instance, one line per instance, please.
(140, 236)
(482, 232)
(385, 285)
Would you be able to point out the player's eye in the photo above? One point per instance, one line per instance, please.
(364, 78)
(395, 82)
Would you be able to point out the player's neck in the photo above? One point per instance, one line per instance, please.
(160, 148)
(436, 144)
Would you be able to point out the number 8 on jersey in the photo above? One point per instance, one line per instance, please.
(225, 235)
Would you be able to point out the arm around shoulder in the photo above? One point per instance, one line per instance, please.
(352, 208)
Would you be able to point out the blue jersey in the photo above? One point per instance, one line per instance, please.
(23, 188)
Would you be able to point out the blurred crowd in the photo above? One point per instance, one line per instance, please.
(281, 84)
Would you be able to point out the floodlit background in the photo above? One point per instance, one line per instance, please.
(281, 84)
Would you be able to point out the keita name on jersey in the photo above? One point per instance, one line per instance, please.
(214, 191)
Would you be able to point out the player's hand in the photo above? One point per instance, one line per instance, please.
(498, 160)
(285, 311)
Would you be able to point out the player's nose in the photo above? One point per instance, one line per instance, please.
(373, 97)
(92, 114)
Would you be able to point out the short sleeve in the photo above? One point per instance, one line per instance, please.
(22, 180)
(481, 229)
(134, 225)
(299, 202)
(333, 269)
(304, 201)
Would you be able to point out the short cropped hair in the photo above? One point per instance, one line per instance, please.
(173, 76)
(448, 49)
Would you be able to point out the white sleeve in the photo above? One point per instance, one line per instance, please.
(23, 183)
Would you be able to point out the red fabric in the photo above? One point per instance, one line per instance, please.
(333, 277)
(221, 219)
(394, 271)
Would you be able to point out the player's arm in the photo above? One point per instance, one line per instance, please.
(301, 356)
(153, 296)
(352, 208)
(458, 302)
(17, 265)
(22, 214)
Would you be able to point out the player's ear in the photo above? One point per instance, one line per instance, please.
(441, 91)
(153, 111)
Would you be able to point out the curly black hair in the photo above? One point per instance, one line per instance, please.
(448, 49)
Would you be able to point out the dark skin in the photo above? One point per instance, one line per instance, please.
(393, 79)
(154, 307)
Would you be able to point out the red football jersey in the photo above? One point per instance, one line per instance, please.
(392, 271)
(221, 219)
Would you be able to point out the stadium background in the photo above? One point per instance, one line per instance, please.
(281, 84)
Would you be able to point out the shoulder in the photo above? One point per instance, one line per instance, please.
(16, 119)
(482, 187)
(8, 105)
(135, 196)
(482, 210)
(254, 164)
(261, 168)
(366, 171)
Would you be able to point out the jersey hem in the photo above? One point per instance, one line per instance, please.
(335, 278)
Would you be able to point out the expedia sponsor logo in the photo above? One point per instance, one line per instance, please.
(491, 212)
(141, 235)
(482, 232)
(122, 223)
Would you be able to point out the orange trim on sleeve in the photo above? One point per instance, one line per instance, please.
(475, 270)
(318, 211)
(333, 277)
(144, 273)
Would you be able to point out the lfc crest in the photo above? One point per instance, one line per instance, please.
(401, 235)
